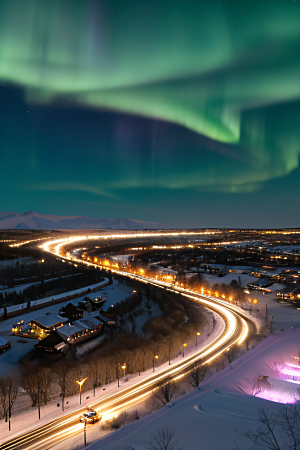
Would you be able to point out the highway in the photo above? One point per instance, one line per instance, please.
(236, 330)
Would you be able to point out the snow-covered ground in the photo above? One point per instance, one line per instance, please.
(210, 417)
(12, 262)
(27, 420)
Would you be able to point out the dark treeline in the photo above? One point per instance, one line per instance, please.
(53, 287)
(23, 273)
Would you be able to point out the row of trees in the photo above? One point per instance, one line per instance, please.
(48, 288)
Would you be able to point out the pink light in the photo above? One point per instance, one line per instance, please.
(272, 397)
(288, 371)
(293, 365)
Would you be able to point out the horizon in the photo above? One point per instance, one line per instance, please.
(184, 114)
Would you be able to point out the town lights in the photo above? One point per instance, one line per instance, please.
(197, 334)
(80, 386)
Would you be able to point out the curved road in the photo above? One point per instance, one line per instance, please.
(237, 327)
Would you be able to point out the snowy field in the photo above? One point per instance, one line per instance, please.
(208, 418)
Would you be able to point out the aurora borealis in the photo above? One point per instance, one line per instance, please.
(186, 113)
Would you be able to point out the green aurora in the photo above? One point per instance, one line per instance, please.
(228, 72)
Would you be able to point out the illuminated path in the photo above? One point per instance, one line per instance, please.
(237, 327)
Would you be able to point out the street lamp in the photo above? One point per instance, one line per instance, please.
(183, 347)
(197, 334)
(155, 358)
(80, 385)
(124, 369)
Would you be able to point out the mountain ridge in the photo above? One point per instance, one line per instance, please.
(32, 220)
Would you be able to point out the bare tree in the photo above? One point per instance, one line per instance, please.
(94, 372)
(64, 373)
(278, 430)
(198, 373)
(36, 381)
(165, 390)
(8, 392)
(162, 439)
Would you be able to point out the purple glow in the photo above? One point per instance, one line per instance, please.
(293, 365)
(278, 398)
(288, 371)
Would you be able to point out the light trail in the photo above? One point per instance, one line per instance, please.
(235, 333)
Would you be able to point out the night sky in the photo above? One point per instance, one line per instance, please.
(184, 113)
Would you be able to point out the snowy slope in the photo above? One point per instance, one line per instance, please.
(209, 418)
(32, 220)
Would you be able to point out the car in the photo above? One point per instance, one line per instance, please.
(90, 416)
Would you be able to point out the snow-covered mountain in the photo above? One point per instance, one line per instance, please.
(31, 220)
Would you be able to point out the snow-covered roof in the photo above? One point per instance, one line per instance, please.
(67, 331)
(78, 325)
(2, 341)
(50, 320)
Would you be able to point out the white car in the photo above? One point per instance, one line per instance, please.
(90, 416)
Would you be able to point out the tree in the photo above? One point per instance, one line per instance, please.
(36, 381)
(198, 372)
(63, 371)
(165, 390)
(8, 392)
(162, 439)
(278, 430)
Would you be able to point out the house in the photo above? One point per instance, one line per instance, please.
(53, 343)
(80, 330)
(41, 327)
(71, 312)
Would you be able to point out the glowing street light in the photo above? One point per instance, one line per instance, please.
(197, 334)
(155, 358)
(183, 347)
(255, 301)
(80, 386)
(124, 369)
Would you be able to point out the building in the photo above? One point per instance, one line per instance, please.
(53, 344)
(80, 330)
(41, 327)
